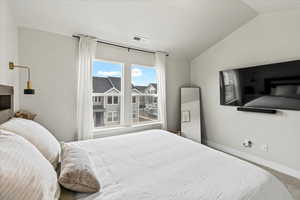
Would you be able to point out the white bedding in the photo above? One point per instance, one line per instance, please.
(157, 165)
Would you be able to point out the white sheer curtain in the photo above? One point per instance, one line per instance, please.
(87, 50)
(160, 64)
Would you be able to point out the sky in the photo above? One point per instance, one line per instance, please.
(139, 75)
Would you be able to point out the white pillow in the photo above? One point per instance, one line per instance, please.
(24, 172)
(39, 136)
(77, 170)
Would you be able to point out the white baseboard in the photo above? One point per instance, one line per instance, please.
(255, 159)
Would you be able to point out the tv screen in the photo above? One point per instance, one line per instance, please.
(275, 86)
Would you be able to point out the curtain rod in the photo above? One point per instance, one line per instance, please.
(121, 46)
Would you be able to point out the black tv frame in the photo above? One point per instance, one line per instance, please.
(268, 82)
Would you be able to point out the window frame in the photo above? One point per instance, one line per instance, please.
(113, 99)
(125, 113)
(158, 120)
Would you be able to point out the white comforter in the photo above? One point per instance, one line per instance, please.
(157, 165)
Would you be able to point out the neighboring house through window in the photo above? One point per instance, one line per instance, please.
(107, 93)
(144, 81)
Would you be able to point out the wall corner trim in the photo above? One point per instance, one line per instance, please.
(255, 159)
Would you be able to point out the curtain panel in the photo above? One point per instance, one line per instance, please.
(87, 51)
(160, 64)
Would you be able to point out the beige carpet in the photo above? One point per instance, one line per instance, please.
(292, 184)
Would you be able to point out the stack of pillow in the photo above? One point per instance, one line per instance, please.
(29, 155)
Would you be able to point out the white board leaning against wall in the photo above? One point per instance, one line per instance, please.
(190, 113)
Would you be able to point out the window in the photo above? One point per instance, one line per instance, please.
(134, 99)
(116, 100)
(109, 100)
(135, 115)
(107, 93)
(116, 117)
(109, 116)
(112, 100)
(114, 106)
(144, 87)
(113, 116)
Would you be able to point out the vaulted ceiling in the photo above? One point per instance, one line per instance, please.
(263, 6)
(182, 27)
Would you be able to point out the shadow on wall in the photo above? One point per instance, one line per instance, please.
(202, 121)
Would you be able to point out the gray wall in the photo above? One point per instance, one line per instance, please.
(52, 58)
(8, 49)
(268, 38)
(53, 73)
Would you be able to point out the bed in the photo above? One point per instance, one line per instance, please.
(158, 165)
(149, 165)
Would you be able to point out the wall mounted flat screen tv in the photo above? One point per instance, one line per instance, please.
(274, 86)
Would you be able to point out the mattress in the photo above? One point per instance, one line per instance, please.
(158, 165)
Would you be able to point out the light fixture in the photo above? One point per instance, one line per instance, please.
(141, 39)
(137, 38)
(28, 89)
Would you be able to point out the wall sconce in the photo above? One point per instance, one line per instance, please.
(28, 89)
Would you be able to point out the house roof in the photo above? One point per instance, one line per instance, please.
(103, 84)
(153, 85)
(116, 82)
(140, 88)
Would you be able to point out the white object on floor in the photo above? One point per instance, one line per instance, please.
(159, 165)
(190, 113)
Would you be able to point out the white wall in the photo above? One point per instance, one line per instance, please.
(53, 67)
(268, 38)
(178, 74)
(8, 49)
(52, 58)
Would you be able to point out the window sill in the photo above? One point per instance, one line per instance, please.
(107, 132)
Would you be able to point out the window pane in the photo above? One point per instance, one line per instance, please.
(144, 94)
(109, 100)
(134, 99)
(109, 116)
(116, 116)
(106, 93)
(116, 100)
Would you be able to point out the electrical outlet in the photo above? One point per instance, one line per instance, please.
(265, 147)
(247, 143)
